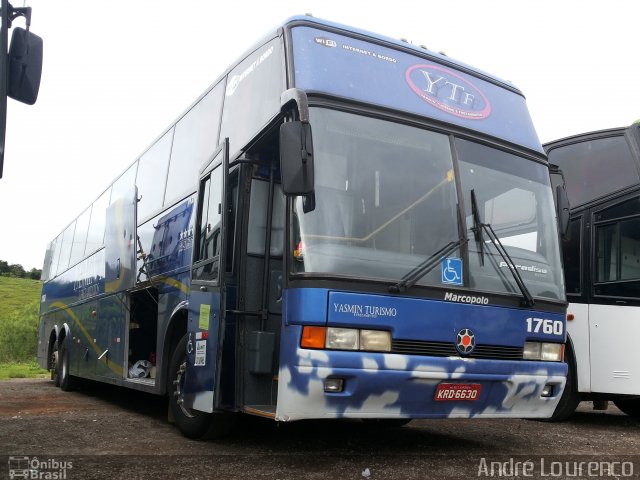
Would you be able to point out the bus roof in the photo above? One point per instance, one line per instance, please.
(405, 45)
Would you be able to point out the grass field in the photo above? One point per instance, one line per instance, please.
(22, 370)
(19, 306)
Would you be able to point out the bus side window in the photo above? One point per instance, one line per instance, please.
(617, 250)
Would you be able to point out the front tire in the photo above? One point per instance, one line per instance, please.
(192, 423)
(629, 406)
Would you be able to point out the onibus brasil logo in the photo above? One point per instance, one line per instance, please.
(448, 91)
(35, 468)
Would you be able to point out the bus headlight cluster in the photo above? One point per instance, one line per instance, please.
(546, 352)
(346, 339)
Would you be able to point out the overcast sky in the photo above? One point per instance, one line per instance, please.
(117, 73)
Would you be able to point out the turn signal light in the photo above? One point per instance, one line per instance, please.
(313, 337)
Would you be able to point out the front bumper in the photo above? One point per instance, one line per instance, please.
(380, 385)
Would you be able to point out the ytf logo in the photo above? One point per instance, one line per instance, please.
(448, 91)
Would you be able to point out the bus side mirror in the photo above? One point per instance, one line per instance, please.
(296, 158)
(562, 207)
(25, 66)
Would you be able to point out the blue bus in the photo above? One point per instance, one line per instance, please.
(342, 226)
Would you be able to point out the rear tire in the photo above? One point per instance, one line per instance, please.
(67, 381)
(192, 423)
(54, 365)
(629, 406)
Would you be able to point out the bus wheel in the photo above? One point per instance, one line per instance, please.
(570, 397)
(54, 366)
(192, 423)
(630, 406)
(67, 381)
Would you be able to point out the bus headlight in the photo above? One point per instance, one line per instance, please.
(342, 338)
(375, 340)
(546, 352)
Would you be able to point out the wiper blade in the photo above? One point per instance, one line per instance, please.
(424, 267)
(477, 229)
(477, 225)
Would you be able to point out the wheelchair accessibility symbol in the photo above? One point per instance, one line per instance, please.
(451, 269)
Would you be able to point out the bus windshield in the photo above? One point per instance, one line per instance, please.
(386, 200)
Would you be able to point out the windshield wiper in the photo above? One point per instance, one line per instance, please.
(478, 228)
(477, 225)
(424, 267)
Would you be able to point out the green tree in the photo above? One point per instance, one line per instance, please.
(35, 274)
(16, 270)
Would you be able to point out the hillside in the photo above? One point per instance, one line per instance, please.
(19, 306)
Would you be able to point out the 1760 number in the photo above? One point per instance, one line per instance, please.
(546, 326)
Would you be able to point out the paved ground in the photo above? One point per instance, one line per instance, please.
(107, 432)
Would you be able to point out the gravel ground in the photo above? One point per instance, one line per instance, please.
(108, 432)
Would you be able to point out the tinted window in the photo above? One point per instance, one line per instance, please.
(152, 175)
(572, 256)
(595, 167)
(258, 219)
(50, 260)
(80, 237)
(65, 250)
(252, 96)
(208, 248)
(618, 251)
(95, 237)
(124, 184)
(196, 137)
(210, 220)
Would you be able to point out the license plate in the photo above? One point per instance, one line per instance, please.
(457, 392)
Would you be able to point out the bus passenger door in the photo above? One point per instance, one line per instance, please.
(206, 298)
(120, 244)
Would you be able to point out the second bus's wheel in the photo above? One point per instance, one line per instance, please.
(67, 381)
(629, 406)
(192, 423)
(570, 396)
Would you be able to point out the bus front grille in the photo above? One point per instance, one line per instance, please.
(446, 349)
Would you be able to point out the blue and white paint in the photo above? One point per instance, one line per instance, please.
(388, 385)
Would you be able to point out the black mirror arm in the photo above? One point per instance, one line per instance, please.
(299, 97)
(14, 13)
